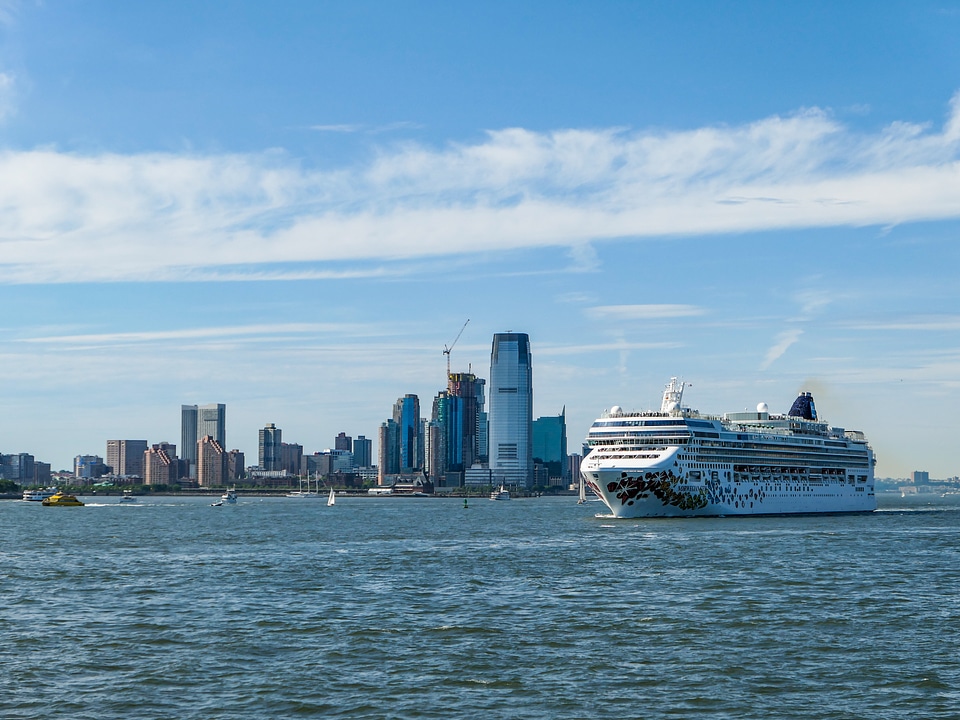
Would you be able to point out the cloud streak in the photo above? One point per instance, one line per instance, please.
(68, 217)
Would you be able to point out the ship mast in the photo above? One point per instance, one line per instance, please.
(672, 396)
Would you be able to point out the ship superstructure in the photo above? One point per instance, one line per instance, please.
(679, 462)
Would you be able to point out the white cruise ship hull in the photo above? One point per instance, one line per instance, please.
(680, 463)
(659, 490)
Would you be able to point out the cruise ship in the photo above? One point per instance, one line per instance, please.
(679, 462)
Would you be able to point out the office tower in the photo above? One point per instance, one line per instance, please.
(511, 410)
(269, 448)
(550, 444)
(160, 465)
(343, 442)
(87, 467)
(18, 467)
(406, 414)
(211, 462)
(362, 452)
(125, 457)
(197, 421)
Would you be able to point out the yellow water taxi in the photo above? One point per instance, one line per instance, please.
(62, 499)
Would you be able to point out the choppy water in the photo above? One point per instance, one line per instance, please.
(417, 608)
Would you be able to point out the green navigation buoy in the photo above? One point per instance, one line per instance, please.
(465, 506)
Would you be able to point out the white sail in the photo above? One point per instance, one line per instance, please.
(332, 499)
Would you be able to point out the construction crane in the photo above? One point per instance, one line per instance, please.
(446, 350)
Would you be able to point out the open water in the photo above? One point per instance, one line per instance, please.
(418, 608)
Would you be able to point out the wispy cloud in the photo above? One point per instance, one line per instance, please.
(342, 128)
(784, 341)
(643, 312)
(368, 129)
(205, 333)
(72, 217)
(7, 88)
(926, 323)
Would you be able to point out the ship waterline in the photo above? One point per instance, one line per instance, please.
(679, 462)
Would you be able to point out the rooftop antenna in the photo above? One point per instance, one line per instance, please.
(446, 350)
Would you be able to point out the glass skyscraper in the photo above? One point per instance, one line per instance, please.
(511, 410)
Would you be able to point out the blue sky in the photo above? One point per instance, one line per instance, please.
(293, 209)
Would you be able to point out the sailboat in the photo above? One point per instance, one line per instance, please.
(332, 498)
(301, 493)
(583, 492)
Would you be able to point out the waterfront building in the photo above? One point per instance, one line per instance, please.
(550, 445)
(196, 422)
(511, 410)
(211, 462)
(268, 455)
(362, 452)
(125, 457)
(160, 466)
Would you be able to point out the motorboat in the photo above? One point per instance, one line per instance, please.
(230, 496)
(62, 499)
(127, 497)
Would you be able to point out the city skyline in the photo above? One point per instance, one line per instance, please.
(292, 210)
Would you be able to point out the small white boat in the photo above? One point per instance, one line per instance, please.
(500, 494)
(230, 496)
(331, 498)
(127, 497)
(583, 492)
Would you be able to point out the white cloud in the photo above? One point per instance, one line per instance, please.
(72, 217)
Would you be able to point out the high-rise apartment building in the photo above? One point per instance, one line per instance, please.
(236, 466)
(269, 454)
(196, 422)
(160, 465)
(406, 414)
(463, 440)
(388, 459)
(211, 462)
(125, 457)
(511, 410)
